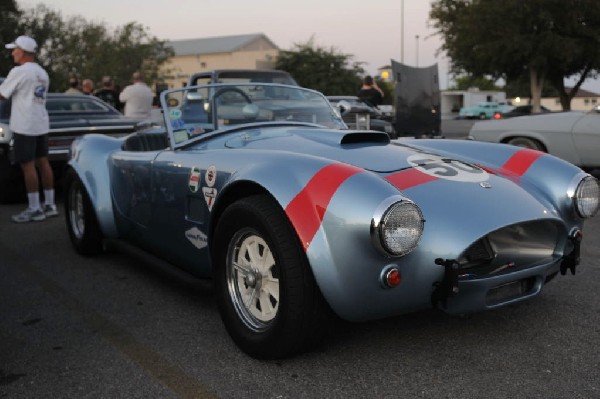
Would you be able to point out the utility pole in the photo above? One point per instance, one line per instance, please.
(417, 39)
(402, 34)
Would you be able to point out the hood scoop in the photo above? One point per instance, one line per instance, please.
(341, 137)
(365, 137)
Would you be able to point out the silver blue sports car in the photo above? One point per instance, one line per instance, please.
(298, 219)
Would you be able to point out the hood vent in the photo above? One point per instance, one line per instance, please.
(365, 137)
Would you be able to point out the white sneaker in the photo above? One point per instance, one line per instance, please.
(29, 215)
(50, 210)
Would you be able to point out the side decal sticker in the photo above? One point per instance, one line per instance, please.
(197, 237)
(194, 179)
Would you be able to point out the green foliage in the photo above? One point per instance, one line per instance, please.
(387, 88)
(9, 15)
(465, 82)
(75, 47)
(327, 71)
(547, 40)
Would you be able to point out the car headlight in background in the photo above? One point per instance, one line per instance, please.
(397, 226)
(587, 197)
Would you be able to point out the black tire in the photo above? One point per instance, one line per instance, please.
(482, 116)
(82, 223)
(288, 314)
(527, 142)
(12, 185)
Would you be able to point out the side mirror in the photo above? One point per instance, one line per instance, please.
(343, 106)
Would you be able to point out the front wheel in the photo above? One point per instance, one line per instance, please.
(268, 298)
(82, 224)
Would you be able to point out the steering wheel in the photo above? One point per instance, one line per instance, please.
(250, 110)
(219, 92)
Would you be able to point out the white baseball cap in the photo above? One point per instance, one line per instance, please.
(24, 43)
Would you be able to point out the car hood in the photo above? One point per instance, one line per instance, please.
(370, 150)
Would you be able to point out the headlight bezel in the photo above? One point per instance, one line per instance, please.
(382, 226)
(585, 203)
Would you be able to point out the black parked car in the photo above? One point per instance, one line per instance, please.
(363, 116)
(520, 110)
(71, 115)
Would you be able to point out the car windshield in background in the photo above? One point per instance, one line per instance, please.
(70, 105)
(242, 76)
(196, 110)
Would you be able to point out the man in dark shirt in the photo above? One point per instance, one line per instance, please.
(107, 93)
(370, 92)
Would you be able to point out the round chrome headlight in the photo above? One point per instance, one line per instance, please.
(397, 227)
(587, 197)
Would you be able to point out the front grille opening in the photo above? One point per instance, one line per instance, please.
(480, 252)
(510, 291)
(511, 248)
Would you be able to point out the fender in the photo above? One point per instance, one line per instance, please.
(93, 171)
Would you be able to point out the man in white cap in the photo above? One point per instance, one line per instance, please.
(27, 85)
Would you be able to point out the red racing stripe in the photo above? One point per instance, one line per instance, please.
(409, 178)
(521, 161)
(307, 209)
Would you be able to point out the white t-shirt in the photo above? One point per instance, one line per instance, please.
(138, 100)
(27, 85)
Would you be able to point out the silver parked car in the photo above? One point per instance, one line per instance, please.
(573, 136)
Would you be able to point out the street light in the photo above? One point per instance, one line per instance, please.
(417, 39)
(402, 34)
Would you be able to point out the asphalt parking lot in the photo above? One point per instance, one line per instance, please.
(113, 326)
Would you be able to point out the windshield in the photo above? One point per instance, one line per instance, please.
(197, 110)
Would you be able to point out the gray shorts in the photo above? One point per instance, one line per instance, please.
(28, 148)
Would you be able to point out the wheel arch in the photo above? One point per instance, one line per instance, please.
(233, 192)
(535, 137)
(93, 171)
(281, 184)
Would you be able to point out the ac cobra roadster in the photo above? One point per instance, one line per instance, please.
(298, 219)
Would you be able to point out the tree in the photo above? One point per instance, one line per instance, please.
(75, 47)
(9, 15)
(133, 49)
(465, 82)
(317, 68)
(549, 40)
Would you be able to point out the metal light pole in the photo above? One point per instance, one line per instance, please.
(402, 34)
(417, 39)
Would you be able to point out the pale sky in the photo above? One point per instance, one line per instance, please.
(370, 30)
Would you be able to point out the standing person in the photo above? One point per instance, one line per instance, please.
(137, 98)
(370, 92)
(27, 85)
(87, 86)
(73, 86)
(107, 93)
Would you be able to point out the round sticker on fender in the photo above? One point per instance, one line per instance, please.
(446, 168)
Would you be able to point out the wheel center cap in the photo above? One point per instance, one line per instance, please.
(251, 280)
